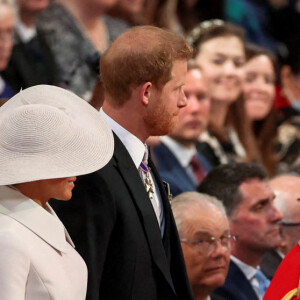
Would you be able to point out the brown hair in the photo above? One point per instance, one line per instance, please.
(236, 115)
(211, 29)
(141, 54)
(265, 130)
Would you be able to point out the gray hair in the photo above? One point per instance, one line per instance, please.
(183, 202)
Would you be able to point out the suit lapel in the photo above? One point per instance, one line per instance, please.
(168, 164)
(165, 203)
(241, 281)
(130, 175)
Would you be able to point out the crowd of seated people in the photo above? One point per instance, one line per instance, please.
(234, 148)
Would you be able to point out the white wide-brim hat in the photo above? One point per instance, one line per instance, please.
(47, 132)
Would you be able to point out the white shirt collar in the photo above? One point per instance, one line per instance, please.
(25, 33)
(248, 271)
(2, 85)
(182, 154)
(134, 146)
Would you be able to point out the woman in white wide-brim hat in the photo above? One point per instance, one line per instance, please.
(47, 137)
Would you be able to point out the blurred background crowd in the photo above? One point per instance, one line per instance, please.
(242, 85)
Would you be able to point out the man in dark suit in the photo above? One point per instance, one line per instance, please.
(253, 219)
(178, 161)
(205, 237)
(120, 217)
(32, 61)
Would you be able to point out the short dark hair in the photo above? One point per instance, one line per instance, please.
(223, 182)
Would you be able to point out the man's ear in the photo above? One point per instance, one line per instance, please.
(145, 93)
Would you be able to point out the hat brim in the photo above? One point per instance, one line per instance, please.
(88, 147)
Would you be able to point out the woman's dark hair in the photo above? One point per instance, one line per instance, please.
(253, 50)
(265, 130)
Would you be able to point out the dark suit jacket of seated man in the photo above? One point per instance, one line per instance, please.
(111, 218)
(172, 171)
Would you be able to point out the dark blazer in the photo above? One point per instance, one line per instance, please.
(270, 262)
(216, 297)
(172, 172)
(236, 286)
(30, 64)
(114, 228)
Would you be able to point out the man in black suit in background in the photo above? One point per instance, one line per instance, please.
(32, 61)
(120, 217)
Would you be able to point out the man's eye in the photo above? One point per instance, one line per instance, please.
(259, 207)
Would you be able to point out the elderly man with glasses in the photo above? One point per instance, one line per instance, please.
(206, 241)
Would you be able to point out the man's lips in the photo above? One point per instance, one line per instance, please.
(193, 124)
(216, 268)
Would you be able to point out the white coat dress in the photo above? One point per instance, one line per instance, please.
(37, 257)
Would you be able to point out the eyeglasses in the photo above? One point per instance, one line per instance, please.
(209, 244)
(195, 33)
(290, 224)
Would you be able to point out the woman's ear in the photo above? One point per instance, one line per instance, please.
(145, 93)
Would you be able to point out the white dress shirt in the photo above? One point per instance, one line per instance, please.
(249, 272)
(136, 149)
(25, 33)
(37, 258)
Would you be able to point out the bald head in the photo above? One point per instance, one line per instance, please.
(141, 54)
(287, 191)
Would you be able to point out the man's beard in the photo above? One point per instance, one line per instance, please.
(160, 121)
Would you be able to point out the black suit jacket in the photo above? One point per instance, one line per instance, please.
(270, 262)
(236, 286)
(30, 64)
(113, 225)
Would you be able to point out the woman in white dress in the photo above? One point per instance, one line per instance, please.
(47, 137)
